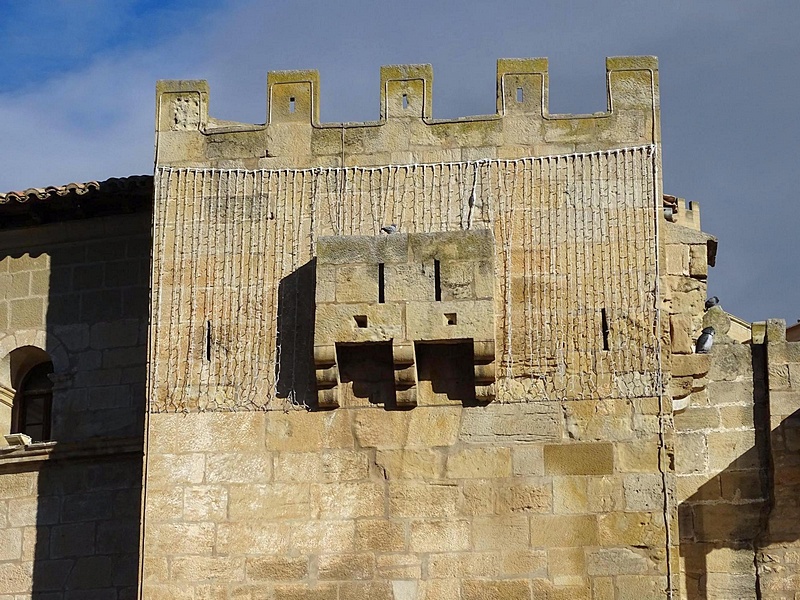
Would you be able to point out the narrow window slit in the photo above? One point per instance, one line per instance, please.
(381, 297)
(405, 100)
(437, 281)
(291, 104)
(519, 94)
(604, 327)
(208, 341)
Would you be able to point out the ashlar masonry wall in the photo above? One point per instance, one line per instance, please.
(558, 488)
(70, 506)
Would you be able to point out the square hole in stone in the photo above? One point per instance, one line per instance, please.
(361, 320)
(450, 319)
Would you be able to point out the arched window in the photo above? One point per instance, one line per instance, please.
(33, 403)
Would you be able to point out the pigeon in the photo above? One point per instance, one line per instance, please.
(713, 301)
(389, 228)
(705, 341)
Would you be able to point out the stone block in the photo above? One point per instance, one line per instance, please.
(697, 488)
(300, 431)
(636, 587)
(524, 496)
(570, 495)
(605, 493)
(344, 500)
(439, 536)
(563, 530)
(644, 492)
(512, 423)
(344, 465)
(162, 539)
(592, 420)
(419, 428)
(698, 261)
(478, 497)
(566, 566)
(783, 403)
(223, 432)
(460, 564)
(509, 589)
(72, 540)
(10, 544)
(411, 464)
(697, 418)
(399, 566)
(252, 537)
(742, 485)
(167, 470)
(691, 453)
(379, 535)
(732, 449)
(527, 460)
(631, 529)
(579, 459)
(500, 533)
(205, 503)
(298, 467)
(276, 568)
(677, 256)
(16, 577)
(305, 591)
(26, 314)
(479, 463)
(637, 457)
(313, 536)
(680, 331)
(730, 362)
(690, 365)
(421, 500)
(346, 566)
(737, 417)
(239, 468)
(369, 590)
(269, 501)
(18, 485)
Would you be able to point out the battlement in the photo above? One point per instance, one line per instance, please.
(406, 131)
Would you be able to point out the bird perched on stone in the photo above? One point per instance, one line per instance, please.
(389, 228)
(713, 301)
(705, 341)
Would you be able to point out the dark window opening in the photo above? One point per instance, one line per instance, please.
(405, 100)
(446, 371)
(450, 318)
(361, 320)
(366, 372)
(34, 403)
(208, 341)
(604, 327)
(437, 281)
(291, 104)
(381, 298)
(519, 94)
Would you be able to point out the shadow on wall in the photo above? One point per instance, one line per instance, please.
(87, 304)
(727, 523)
(295, 336)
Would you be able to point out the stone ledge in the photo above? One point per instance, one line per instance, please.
(52, 451)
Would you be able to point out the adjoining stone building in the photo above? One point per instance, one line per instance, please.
(500, 399)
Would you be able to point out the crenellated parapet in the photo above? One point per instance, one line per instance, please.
(406, 132)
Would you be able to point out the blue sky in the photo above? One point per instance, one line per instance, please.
(77, 81)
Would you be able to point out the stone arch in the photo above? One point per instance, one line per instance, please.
(19, 353)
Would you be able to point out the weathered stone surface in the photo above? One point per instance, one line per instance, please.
(539, 422)
(579, 459)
